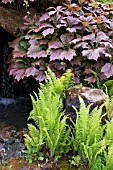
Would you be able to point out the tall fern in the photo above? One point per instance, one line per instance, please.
(49, 117)
(91, 140)
(88, 138)
(109, 158)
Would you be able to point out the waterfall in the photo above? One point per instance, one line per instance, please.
(14, 103)
(9, 89)
(6, 86)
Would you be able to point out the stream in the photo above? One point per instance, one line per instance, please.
(14, 106)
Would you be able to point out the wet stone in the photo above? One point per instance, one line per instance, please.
(92, 96)
(10, 143)
(13, 120)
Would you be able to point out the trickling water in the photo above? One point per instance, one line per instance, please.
(7, 101)
(6, 83)
(9, 89)
(6, 87)
(14, 109)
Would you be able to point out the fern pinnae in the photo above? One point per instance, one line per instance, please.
(61, 129)
(82, 122)
(107, 103)
(36, 136)
(43, 99)
(49, 142)
(61, 136)
(34, 112)
(98, 148)
(65, 138)
(86, 149)
(52, 114)
(28, 142)
(33, 131)
(109, 159)
(109, 131)
(50, 75)
(95, 116)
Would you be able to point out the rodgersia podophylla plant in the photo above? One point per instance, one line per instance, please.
(73, 36)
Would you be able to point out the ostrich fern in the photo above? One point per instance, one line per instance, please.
(48, 115)
(88, 133)
(91, 140)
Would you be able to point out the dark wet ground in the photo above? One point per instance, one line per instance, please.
(15, 112)
(13, 122)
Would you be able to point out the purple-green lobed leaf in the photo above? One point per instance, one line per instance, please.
(91, 79)
(67, 54)
(92, 54)
(55, 44)
(107, 69)
(48, 31)
(36, 52)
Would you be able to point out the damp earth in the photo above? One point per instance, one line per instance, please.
(12, 128)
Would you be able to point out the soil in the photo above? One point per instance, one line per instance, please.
(13, 123)
(13, 158)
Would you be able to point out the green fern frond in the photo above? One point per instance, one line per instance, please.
(34, 133)
(108, 103)
(109, 158)
(34, 112)
(88, 139)
(34, 139)
(49, 116)
(82, 121)
(66, 81)
(97, 149)
(57, 141)
(55, 83)
(109, 130)
(109, 107)
(28, 142)
(94, 126)
(51, 78)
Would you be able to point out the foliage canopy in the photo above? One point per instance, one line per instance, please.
(67, 36)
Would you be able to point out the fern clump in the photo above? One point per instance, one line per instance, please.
(92, 141)
(88, 138)
(48, 114)
(88, 133)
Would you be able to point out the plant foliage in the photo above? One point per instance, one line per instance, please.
(26, 5)
(49, 117)
(25, 1)
(91, 140)
(68, 36)
(88, 134)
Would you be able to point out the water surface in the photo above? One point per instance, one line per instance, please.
(15, 111)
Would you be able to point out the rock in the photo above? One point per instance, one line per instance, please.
(10, 143)
(10, 20)
(94, 95)
(89, 95)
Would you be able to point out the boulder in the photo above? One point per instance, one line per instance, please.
(10, 20)
(89, 95)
